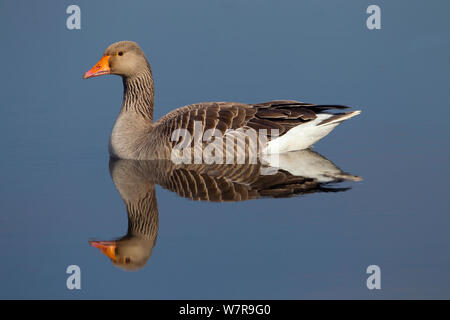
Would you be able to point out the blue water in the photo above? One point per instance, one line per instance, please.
(57, 193)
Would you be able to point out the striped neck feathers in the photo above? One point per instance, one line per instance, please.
(138, 95)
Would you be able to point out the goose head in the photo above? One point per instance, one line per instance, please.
(123, 58)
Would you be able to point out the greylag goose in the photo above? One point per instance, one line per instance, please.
(300, 173)
(297, 125)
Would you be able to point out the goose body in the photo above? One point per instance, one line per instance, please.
(290, 125)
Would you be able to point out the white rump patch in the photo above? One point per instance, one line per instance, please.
(306, 134)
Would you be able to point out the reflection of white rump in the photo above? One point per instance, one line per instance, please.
(310, 164)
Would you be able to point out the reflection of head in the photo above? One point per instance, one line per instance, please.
(137, 190)
(133, 250)
(129, 253)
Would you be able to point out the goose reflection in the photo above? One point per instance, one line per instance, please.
(297, 173)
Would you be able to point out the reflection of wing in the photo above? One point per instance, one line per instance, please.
(298, 173)
(244, 183)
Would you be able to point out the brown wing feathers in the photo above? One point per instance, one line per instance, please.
(239, 184)
(282, 115)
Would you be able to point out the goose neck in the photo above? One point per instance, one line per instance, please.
(138, 94)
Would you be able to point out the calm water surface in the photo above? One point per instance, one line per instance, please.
(57, 193)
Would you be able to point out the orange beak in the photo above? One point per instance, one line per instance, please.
(107, 247)
(101, 68)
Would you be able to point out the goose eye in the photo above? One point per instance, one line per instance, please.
(120, 53)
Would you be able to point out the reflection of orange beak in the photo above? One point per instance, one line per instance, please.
(101, 68)
(107, 247)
